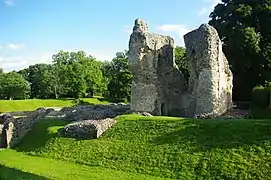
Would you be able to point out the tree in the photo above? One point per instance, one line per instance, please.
(119, 76)
(244, 27)
(78, 74)
(42, 80)
(13, 86)
(181, 61)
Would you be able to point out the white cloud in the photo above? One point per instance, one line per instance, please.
(9, 2)
(14, 46)
(100, 55)
(208, 7)
(10, 63)
(175, 30)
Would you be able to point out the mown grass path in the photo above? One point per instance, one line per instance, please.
(33, 104)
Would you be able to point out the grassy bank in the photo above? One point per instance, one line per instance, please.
(164, 147)
(18, 166)
(32, 104)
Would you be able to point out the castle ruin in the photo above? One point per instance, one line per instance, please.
(159, 86)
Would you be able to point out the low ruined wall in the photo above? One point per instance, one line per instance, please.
(14, 129)
(20, 113)
(1, 139)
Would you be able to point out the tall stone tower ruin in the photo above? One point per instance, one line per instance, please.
(158, 84)
(210, 82)
(159, 87)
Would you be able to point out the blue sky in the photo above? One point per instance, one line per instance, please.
(33, 30)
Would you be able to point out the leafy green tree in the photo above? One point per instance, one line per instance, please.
(244, 27)
(42, 80)
(13, 86)
(120, 77)
(78, 74)
(180, 60)
(25, 73)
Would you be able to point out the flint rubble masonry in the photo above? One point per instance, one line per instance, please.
(14, 129)
(157, 83)
(210, 82)
(159, 87)
(87, 129)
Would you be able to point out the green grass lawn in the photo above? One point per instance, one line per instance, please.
(157, 146)
(32, 104)
(18, 166)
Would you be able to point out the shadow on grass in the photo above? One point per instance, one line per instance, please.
(40, 134)
(111, 100)
(7, 173)
(258, 113)
(225, 134)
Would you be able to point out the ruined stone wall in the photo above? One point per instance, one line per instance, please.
(14, 129)
(1, 138)
(210, 82)
(159, 87)
(157, 83)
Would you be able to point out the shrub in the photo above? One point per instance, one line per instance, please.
(261, 96)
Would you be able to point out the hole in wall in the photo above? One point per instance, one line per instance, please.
(163, 109)
(193, 52)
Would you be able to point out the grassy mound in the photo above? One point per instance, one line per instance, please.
(32, 104)
(165, 147)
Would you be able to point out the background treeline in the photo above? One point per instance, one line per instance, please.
(244, 27)
(73, 75)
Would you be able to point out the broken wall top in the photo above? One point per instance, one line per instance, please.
(203, 42)
(142, 43)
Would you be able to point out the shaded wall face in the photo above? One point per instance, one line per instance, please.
(172, 82)
(157, 82)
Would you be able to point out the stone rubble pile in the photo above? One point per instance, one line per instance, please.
(95, 112)
(87, 129)
(231, 114)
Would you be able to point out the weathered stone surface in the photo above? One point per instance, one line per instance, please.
(87, 129)
(5, 117)
(98, 112)
(1, 138)
(159, 87)
(14, 129)
(158, 84)
(210, 82)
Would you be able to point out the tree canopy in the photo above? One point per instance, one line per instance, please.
(13, 86)
(244, 27)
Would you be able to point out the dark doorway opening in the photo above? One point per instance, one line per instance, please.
(163, 109)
